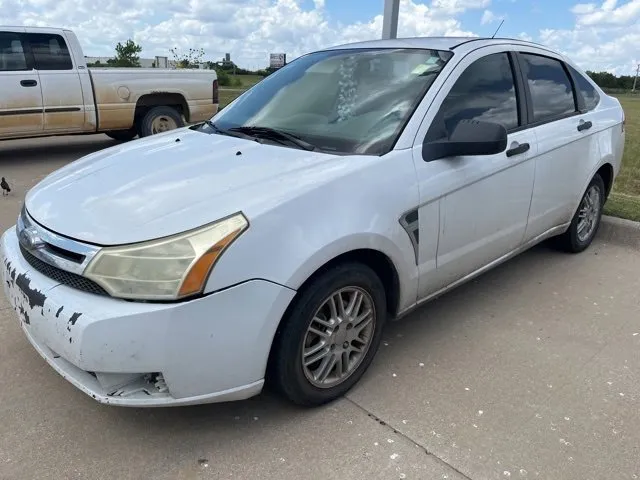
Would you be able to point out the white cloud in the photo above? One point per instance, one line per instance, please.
(589, 14)
(487, 17)
(451, 7)
(604, 36)
(599, 49)
(248, 29)
(583, 8)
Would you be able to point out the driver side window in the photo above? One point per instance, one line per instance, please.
(485, 91)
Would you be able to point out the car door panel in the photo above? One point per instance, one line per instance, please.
(480, 203)
(560, 173)
(485, 217)
(565, 146)
(61, 87)
(21, 102)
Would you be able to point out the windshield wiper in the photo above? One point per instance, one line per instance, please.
(274, 134)
(221, 131)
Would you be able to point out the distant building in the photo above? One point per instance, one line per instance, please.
(157, 62)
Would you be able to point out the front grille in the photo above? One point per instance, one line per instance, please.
(66, 278)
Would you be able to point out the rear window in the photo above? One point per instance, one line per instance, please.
(50, 51)
(550, 86)
(589, 93)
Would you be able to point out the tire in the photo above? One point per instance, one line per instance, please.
(574, 240)
(160, 119)
(123, 135)
(287, 372)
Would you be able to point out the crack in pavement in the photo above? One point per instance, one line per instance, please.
(407, 437)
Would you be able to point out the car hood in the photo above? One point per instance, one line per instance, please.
(169, 183)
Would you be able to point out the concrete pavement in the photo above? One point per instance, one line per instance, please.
(531, 371)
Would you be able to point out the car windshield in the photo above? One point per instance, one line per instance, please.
(353, 101)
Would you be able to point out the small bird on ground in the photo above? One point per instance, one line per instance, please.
(5, 187)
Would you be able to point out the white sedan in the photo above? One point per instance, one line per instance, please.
(273, 242)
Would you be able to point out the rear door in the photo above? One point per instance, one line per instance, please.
(20, 93)
(566, 146)
(61, 89)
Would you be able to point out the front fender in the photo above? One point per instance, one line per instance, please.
(298, 231)
(407, 271)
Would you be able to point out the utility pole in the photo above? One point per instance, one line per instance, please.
(635, 80)
(390, 19)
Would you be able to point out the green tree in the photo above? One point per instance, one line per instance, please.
(190, 59)
(609, 81)
(127, 54)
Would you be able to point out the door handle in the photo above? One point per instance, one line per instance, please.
(523, 147)
(584, 125)
(28, 83)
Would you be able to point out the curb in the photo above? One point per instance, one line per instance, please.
(620, 231)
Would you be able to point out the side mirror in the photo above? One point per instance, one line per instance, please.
(470, 137)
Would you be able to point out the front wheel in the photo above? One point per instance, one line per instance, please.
(586, 220)
(330, 335)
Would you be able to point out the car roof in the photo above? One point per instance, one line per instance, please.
(439, 43)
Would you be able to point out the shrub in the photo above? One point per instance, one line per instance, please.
(224, 80)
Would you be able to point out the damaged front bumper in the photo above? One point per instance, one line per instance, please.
(207, 350)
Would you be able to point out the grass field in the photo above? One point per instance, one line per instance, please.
(227, 96)
(248, 81)
(624, 200)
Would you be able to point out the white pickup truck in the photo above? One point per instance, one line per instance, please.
(47, 89)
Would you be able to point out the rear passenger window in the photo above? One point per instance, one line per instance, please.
(485, 91)
(12, 56)
(50, 51)
(589, 93)
(550, 86)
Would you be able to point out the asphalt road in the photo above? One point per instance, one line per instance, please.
(531, 371)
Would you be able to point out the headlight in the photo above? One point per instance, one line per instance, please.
(166, 269)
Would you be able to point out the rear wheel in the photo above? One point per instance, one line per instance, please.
(330, 335)
(586, 220)
(160, 119)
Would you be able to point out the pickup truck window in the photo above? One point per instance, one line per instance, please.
(12, 58)
(50, 51)
(353, 101)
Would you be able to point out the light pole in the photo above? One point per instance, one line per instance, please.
(635, 80)
(390, 19)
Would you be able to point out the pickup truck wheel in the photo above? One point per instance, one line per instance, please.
(330, 335)
(122, 135)
(160, 119)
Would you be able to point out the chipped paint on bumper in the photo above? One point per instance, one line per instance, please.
(207, 350)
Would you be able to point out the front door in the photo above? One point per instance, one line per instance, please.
(61, 89)
(474, 209)
(20, 93)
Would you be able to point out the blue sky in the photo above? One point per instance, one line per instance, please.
(600, 35)
(520, 15)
